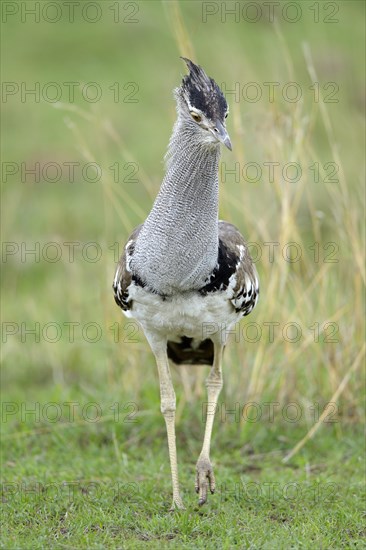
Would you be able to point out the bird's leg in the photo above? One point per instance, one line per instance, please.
(167, 396)
(204, 471)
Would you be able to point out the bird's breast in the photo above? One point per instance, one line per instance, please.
(188, 314)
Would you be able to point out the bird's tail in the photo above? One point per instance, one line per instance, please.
(190, 351)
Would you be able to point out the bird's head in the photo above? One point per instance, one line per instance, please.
(203, 106)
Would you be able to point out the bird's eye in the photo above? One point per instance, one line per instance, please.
(227, 114)
(196, 116)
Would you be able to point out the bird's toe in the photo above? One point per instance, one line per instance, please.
(177, 504)
(205, 480)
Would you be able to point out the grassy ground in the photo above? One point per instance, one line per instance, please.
(107, 485)
(84, 460)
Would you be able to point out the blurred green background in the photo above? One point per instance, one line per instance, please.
(132, 50)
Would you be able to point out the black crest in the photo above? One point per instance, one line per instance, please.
(203, 92)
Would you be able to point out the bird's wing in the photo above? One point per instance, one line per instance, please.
(123, 277)
(235, 271)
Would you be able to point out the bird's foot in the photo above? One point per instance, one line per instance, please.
(177, 504)
(204, 478)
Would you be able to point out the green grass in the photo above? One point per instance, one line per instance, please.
(107, 485)
(320, 373)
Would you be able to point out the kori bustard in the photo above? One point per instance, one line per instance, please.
(185, 276)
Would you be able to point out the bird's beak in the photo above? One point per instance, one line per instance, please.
(221, 134)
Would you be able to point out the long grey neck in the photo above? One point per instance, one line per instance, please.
(177, 247)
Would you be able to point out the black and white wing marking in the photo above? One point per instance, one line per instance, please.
(235, 271)
(124, 277)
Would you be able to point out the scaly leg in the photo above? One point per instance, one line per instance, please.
(168, 407)
(204, 470)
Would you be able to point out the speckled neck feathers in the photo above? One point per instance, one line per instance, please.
(177, 247)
